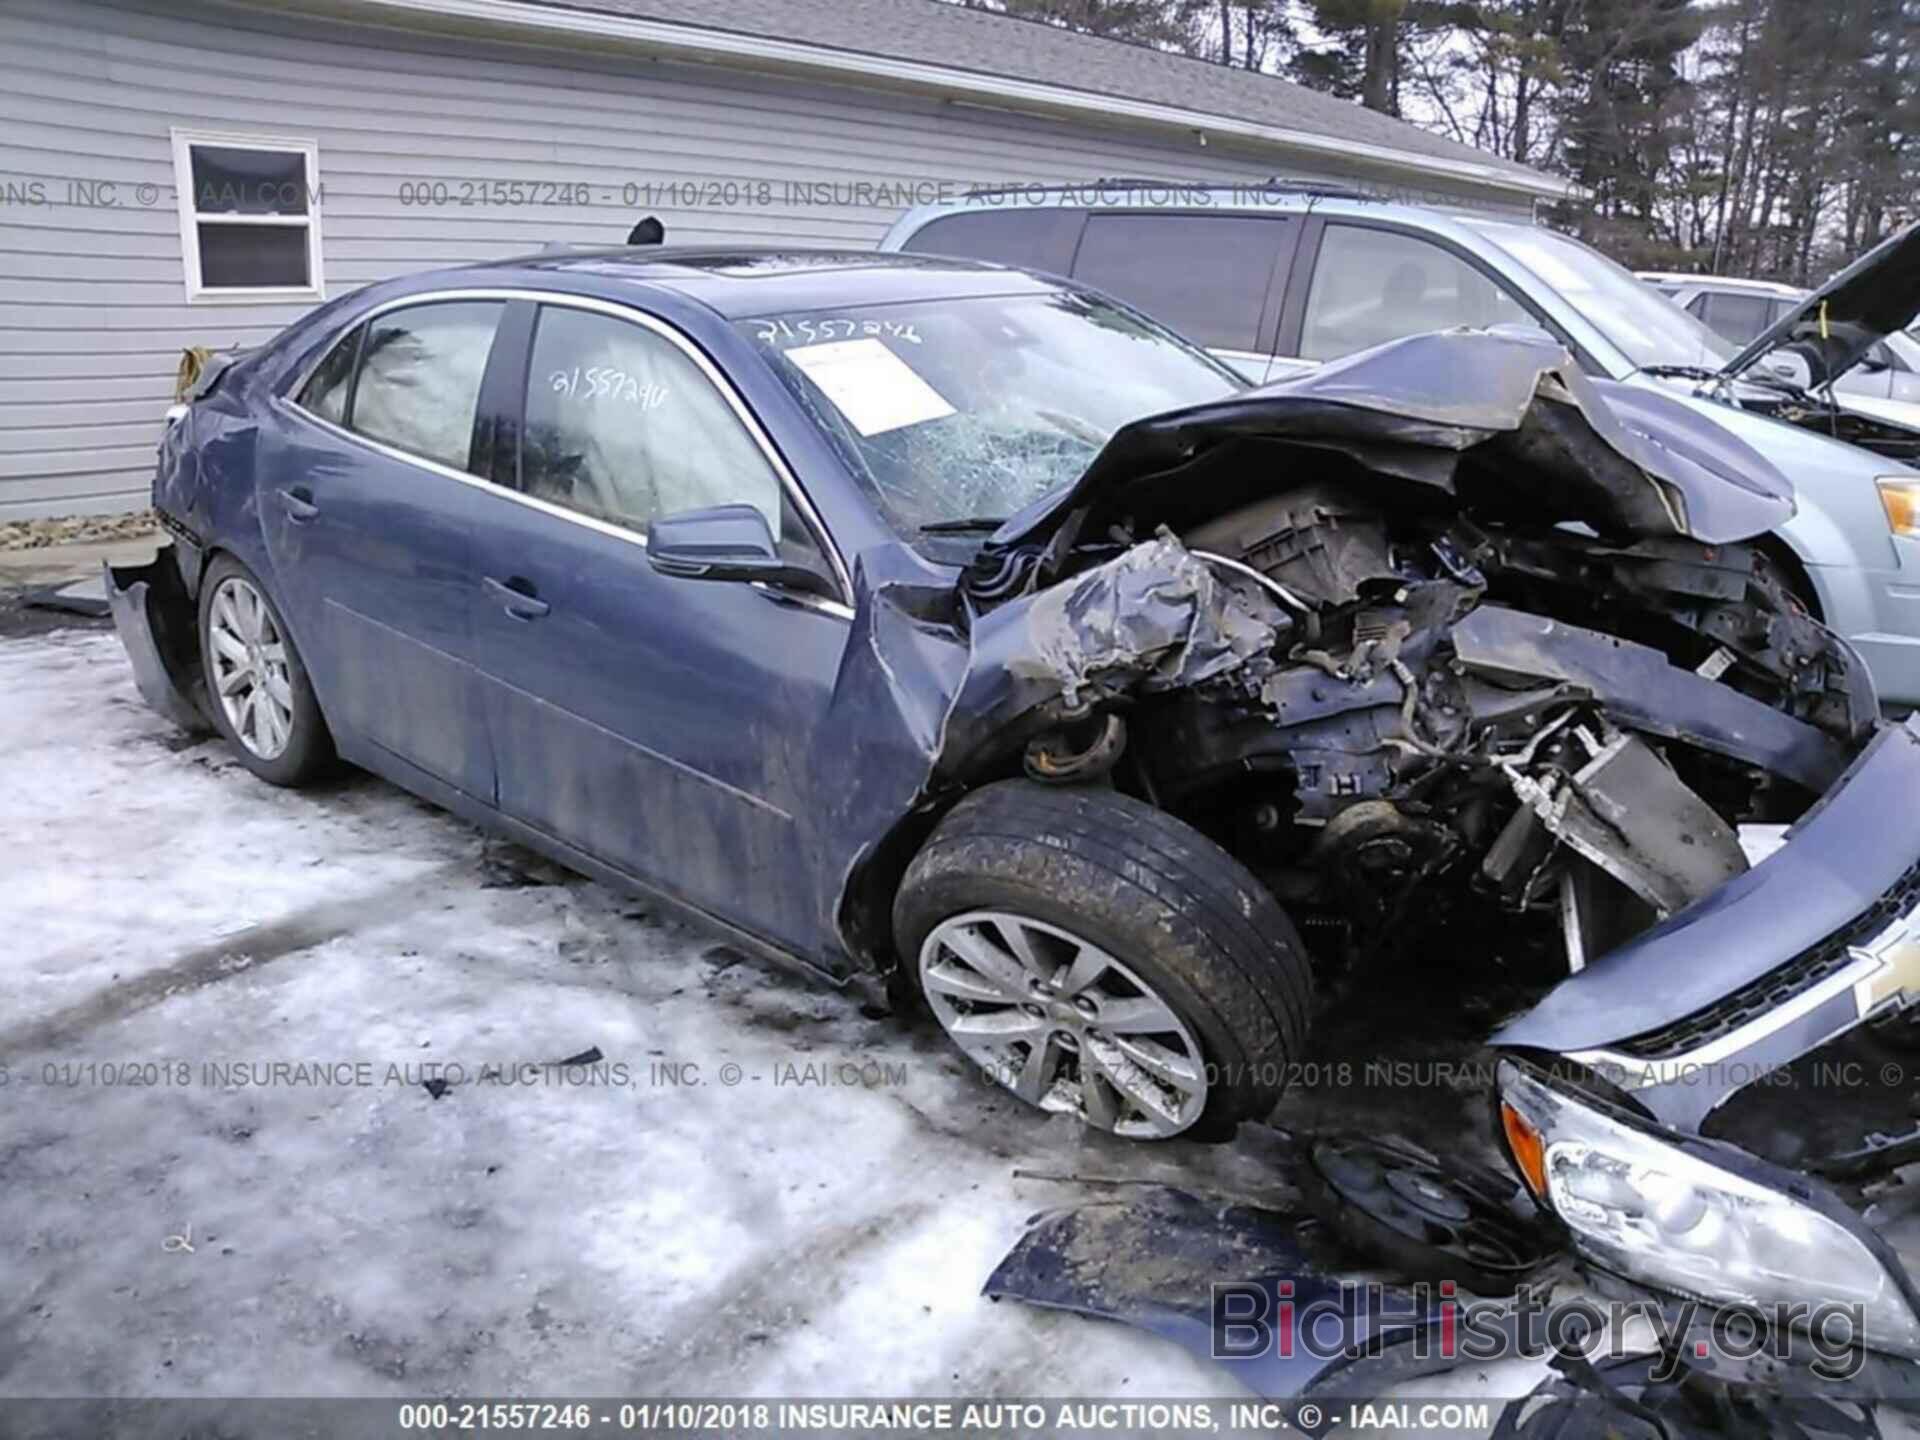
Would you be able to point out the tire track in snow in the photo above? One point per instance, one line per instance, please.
(241, 954)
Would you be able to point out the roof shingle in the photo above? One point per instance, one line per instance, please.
(931, 32)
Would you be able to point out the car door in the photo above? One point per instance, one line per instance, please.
(1362, 285)
(366, 503)
(662, 726)
(1212, 278)
(1903, 382)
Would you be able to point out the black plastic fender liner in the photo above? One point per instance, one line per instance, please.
(1645, 1397)
(1643, 692)
(155, 619)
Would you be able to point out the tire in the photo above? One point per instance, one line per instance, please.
(280, 736)
(1043, 874)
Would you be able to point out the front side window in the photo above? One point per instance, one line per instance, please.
(1371, 286)
(956, 412)
(1205, 276)
(419, 378)
(249, 215)
(622, 426)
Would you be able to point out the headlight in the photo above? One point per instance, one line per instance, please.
(1649, 1210)
(1900, 498)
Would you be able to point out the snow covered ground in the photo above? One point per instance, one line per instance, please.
(596, 1230)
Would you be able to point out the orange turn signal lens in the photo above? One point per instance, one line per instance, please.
(1900, 498)
(1529, 1150)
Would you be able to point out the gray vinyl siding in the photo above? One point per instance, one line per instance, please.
(93, 304)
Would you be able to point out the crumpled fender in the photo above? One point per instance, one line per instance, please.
(942, 694)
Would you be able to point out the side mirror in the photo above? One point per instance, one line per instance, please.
(1877, 359)
(727, 542)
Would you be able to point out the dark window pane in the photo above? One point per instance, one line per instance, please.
(1739, 317)
(622, 426)
(1033, 238)
(420, 371)
(325, 393)
(1371, 286)
(240, 256)
(1205, 276)
(248, 182)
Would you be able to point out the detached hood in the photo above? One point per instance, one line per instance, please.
(1873, 297)
(1501, 423)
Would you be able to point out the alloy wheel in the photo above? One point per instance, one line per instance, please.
(1063, 1024)
(248, 669)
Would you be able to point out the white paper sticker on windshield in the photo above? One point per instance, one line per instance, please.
(873, 387)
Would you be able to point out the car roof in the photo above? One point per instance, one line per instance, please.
(1277, 196)
(1721, 282)
(741, 282)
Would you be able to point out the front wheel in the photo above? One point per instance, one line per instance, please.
(1103, 960)
(261, 699)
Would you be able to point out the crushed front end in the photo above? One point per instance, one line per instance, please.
(1479, 670)
(1437, 632)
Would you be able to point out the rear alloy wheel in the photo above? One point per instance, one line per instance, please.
(247, 669)
(1063, 1024)
(261, 698)
(1101, 959)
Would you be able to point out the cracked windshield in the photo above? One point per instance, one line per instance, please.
(957, 413)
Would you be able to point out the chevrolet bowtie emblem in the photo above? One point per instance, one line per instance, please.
(1898, 978)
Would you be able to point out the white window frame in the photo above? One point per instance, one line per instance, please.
(191, 217)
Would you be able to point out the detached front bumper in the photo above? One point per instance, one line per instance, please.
(155, 618)
(1800, 949)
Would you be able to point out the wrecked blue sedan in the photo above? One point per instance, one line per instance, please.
(848, 602)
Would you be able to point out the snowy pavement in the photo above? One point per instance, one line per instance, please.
(284, 1207)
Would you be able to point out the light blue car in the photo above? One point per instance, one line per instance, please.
(1276, 280)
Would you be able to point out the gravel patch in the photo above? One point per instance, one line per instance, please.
(74, 530)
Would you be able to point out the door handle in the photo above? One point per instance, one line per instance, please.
(518, 597)
(298, 503)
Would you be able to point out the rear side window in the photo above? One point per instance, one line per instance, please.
(1205, 276)
(1371, 286)
(420, 373)
(1036, 239)
(326, 391)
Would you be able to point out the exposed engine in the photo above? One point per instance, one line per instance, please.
(1539, 697)
(1454, 715)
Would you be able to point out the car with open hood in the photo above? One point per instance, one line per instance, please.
(1280, 277)
(1884, 384)
(946, 623)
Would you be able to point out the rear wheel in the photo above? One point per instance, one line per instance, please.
(1103, 960)
(261, 698)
